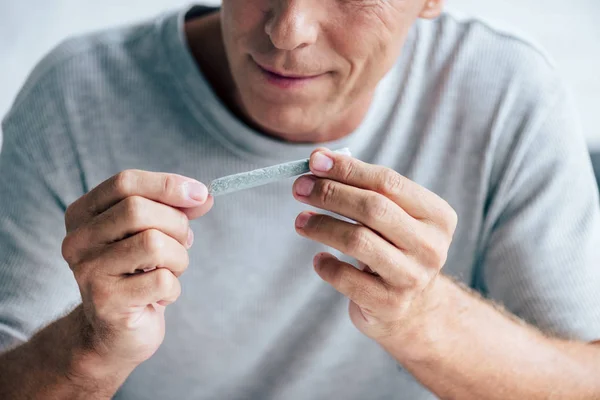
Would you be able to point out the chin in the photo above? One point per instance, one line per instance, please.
(289, 123)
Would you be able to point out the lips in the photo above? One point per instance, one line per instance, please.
(286, 75)
(287, 80)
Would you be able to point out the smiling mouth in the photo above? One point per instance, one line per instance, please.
(286, 76)
(275, 74)
(288, 81)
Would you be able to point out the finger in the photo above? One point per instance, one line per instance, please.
(111, 298)
(147, 250)
(170, 189)
(415, 199)
(199, 211)
(158, 286)
(369, 292)
(365, 268)
(367, 207)
(130, 216)
(363, 244)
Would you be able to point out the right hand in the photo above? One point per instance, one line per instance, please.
(126, 244)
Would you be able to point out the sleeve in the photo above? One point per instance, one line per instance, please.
(540, 254)
(36, 284)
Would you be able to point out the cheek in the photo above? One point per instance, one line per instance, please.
(378, 33)
(242, 20)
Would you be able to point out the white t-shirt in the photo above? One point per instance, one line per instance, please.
(475, 115)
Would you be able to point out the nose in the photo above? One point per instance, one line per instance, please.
(292, 25)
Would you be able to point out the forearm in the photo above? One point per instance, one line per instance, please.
(468, 349)
(57, 363)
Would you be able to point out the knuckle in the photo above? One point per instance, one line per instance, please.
(327, 192)
(68, 250)
(170, 186)
(134, 209)
(153, 242)
(185, 255)
(375, 208)
(343, 279)
(411, 281)
(347, 169)
(163, 281)
(140, 290)
(433, 251)
(359, 293)
(339, 278)
(124, 182)
(373, 298)
(444, 216)
(184, 223)
(392, 182)
(392, 300)
(318, 223)
(451, 220)
(387, 266)
(179, 261)
(357, 240)
(175, 290)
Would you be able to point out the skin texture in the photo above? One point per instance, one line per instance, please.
(126, 244)
(401, 240)
(127, 238)
(306, 38)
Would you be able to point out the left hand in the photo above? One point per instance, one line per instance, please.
(401, 240)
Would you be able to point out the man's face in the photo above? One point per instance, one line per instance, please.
(305, 67)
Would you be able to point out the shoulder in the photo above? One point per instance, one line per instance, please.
(83, 57)
(485, 60)
(485, 32)
(494, 87)
(491, 94)
(66, 89)
(71, 79)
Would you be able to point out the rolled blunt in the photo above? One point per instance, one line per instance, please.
(262, 176)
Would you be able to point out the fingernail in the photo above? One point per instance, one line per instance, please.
(196, 191)
(190, 238)
(302, 220)
(321, 162)
(304, 186)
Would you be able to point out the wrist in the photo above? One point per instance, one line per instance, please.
(86, 367)
(425, 327)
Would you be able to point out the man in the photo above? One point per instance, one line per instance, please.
(467, 157)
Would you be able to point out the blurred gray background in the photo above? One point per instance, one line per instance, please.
(568, 31)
